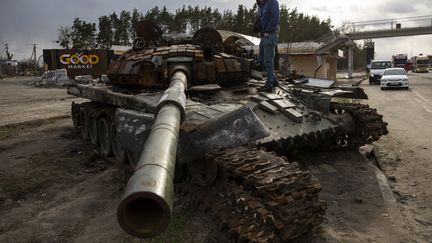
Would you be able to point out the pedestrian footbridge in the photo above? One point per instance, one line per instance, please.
(420, 25)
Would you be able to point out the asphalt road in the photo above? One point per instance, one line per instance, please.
(405, 155)
(422, 90)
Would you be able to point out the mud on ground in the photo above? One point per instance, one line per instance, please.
(54, 188)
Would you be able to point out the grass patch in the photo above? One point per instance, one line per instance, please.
(17, 188)
(176, 231)
(7, 131)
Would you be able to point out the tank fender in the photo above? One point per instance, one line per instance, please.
(132, 128)
(237, 127)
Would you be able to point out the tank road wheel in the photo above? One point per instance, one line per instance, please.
(342, 141)
(75, 111)
(118, 151)
(83, 116)
(202, 172)
(92, 128)
(104, 125)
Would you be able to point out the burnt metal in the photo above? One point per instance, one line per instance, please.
(263, 198)
(210, 41)
(148, 31)
(213, 135)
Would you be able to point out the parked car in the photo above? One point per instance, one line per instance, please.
(376, 70)
(394, 78)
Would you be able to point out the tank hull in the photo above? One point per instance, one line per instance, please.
(226, 136)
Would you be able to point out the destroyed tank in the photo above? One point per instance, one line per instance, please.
(185, 109)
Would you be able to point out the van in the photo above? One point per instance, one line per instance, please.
(377, 68)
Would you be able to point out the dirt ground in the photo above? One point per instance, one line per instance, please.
(21, 103)
(54, 187)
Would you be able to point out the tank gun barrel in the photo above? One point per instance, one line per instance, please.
(146, 206)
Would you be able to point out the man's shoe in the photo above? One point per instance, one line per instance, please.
(265, 88)
(276, 83)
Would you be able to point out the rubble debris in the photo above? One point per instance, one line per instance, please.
(54, 78)
(84, 79)
(59, 78)
(95, 167)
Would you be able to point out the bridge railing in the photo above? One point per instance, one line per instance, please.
(331, 36)
(388, 24)
(343, 32)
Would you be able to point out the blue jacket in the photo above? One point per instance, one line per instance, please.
(269, 15)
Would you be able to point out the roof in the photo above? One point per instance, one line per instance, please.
(118, 50)
(9, 62)
(421, 57)
(395, 68)
(306, 47)
(381, 60)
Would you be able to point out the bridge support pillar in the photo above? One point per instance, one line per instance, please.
(350, 60)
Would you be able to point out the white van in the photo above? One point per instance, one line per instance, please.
(377, 69)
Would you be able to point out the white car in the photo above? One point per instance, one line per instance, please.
(394, 78)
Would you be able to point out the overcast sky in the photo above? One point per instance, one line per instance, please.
(24, 22)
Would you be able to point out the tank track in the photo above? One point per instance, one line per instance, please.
(261, 197)
(369, 125)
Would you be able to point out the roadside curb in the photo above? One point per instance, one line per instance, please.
(386, 191)
(390, 203)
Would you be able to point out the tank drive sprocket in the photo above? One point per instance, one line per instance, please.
(369, 125)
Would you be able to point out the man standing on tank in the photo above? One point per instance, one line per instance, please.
(268, 13)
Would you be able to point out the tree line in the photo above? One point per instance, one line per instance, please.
(118, 28)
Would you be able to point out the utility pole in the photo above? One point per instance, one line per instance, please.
(34, 57)
(1, 53)
(350, 58)
(7, 50)
(1, 63)
(411, 48)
